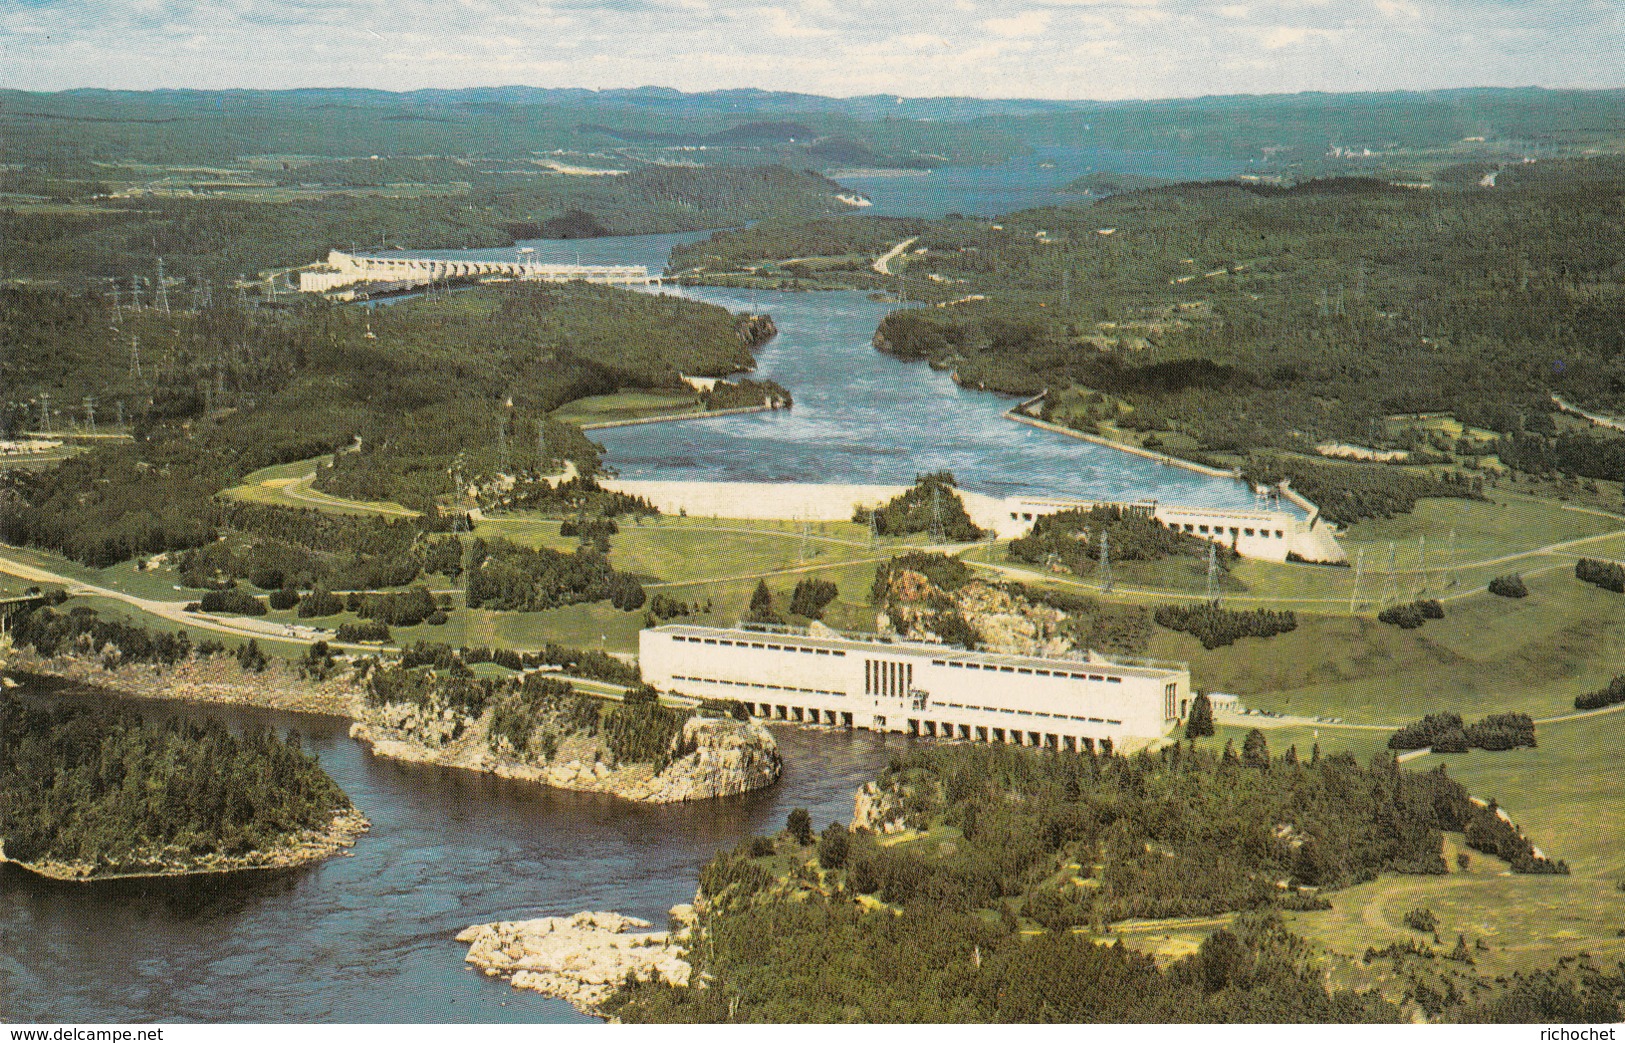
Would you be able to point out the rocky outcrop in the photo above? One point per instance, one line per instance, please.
(202, 679)
(877, 810)
(299, 849)
(582, 958)
(724, 757)
(756, 330)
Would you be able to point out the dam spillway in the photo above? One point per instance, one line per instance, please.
(346, 269)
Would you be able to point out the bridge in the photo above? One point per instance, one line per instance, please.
(344, 269)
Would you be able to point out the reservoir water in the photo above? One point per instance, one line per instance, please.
(861, 416)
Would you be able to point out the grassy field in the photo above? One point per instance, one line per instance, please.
(1488, 654)
(1566, 796)
(626, 405)
(687, 550)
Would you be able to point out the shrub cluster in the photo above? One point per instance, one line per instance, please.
(352, 633)
(1445, 733)
(811, 597)
(236, 602)
(1609, 575)
(1611, 695)
(1216, 627)
(1509, 586)
(934, 500)
(1412, 615)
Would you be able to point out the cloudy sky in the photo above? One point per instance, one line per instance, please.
(990, 48)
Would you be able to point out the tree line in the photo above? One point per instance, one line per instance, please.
(125, 794)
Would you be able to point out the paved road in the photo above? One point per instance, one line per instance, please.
(883, 262)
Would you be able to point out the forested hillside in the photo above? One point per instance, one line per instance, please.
(398, 393)
(980, 879)
(1245, 316)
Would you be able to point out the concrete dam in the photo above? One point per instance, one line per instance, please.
(342, 270)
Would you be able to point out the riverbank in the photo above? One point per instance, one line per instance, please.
(300, 849)
(673, 417)
(725, 758)
(1161, 458)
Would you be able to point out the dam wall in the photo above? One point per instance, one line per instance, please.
(345, 269)
(1263, 533)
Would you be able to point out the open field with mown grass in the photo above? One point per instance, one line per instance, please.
(1489, 654)
(1567, 798)
(626, 405)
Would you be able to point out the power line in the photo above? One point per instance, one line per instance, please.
(162, 290)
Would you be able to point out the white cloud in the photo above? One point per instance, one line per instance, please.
(1027, 23)
(1281, 36)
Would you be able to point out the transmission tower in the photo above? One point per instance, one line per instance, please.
(1359, 567)
(1450, 576)
(1421, 565)
(135, 292)
(162, 302)
(90, 412)
(806, 539)
(1105, 562)
(45, 411)
(937, 534)
(120, 412)
(1390, 582)
(135, 357)
(874, 527)
(118, 314)
(1212, 571)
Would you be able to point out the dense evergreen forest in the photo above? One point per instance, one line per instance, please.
(91, 785)
(1248, 316)
(401, 397)
(1014, 843)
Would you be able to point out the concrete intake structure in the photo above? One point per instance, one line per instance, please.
(343, 269)
(870, 681)
(1269, 534)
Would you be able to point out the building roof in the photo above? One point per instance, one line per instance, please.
(947, 653)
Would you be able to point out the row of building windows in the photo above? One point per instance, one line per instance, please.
(1027, 713)
(757, 644)
(955, 664)
(749, 684)
(1218, 530)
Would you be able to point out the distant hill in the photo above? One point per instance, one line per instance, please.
(1105, 184)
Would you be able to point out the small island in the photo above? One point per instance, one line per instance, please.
(539, 728)
(89, 793)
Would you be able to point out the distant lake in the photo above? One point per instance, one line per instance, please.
(1023, 182)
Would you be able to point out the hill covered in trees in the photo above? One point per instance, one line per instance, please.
(90, 792)
(395, 395)
(977, 882)
(1241, 316)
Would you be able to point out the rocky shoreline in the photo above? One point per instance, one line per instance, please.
(729, 758)
(581, 959)
(305, 848)
(216, 680)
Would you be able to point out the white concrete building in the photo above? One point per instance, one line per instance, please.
(788, 674)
